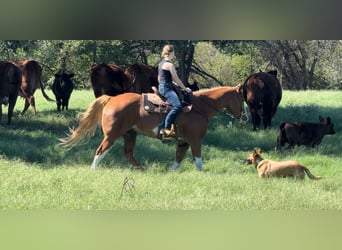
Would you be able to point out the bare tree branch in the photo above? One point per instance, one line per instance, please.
(197, 70)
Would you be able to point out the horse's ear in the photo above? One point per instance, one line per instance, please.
(239, 88)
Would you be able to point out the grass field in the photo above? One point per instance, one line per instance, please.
(36, 173)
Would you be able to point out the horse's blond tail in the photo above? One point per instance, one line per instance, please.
(88, 123)
(310, 175)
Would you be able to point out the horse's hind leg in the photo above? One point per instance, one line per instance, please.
(97, 159)
(102, 150)
(130, 138)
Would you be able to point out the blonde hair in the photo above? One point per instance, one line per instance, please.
(167, 50)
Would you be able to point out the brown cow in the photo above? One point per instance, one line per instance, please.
(262, 93)
(304, 133)
(10, 79)
(112, 80)
(142, 78)
(31, 80)
(107, 79)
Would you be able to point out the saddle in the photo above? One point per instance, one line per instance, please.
(155, 103)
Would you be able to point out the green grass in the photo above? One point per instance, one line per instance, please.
(36, 173)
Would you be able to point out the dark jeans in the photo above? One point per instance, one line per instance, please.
(166, 90)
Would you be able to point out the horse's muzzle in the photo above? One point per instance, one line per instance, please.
(244, 116)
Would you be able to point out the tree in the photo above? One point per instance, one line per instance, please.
(297, 60)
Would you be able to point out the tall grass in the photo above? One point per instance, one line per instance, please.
(36, 173)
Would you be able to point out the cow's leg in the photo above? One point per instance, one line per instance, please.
(12, 102)
(26, 105)
(58, 102)
(255, 119)
(29, 101)
(280, 141)
(66, 103)
(1, 100)
(33, 105)
(267, 120)
(130, 138)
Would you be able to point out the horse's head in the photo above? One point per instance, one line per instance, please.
(239, 110)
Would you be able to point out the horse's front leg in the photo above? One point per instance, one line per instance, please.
(182, 148)
(196, 153)
(130, 138)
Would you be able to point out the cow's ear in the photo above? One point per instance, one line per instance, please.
(71, 75)
(321, 119)
(258, 151)
(57, 75)
(328, 120)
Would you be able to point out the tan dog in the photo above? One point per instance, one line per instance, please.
(268, 168)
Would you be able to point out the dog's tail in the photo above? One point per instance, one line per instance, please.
(310, 175)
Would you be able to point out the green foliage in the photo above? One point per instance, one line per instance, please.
(312, 64)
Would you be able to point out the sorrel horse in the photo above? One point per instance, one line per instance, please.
(124, 112)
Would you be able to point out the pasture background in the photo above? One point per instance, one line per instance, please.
(50, 199)
(36, 173)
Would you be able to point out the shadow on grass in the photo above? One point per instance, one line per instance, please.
(34, 139)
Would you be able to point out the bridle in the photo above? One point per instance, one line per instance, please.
(243, 118)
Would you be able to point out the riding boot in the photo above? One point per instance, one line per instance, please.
(168, 132)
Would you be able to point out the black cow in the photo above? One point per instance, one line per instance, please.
(304, 133)
(62, 87)
(262, 93)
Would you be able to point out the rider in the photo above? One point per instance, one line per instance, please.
(167, 76)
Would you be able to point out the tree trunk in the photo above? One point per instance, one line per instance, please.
(185, 55)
